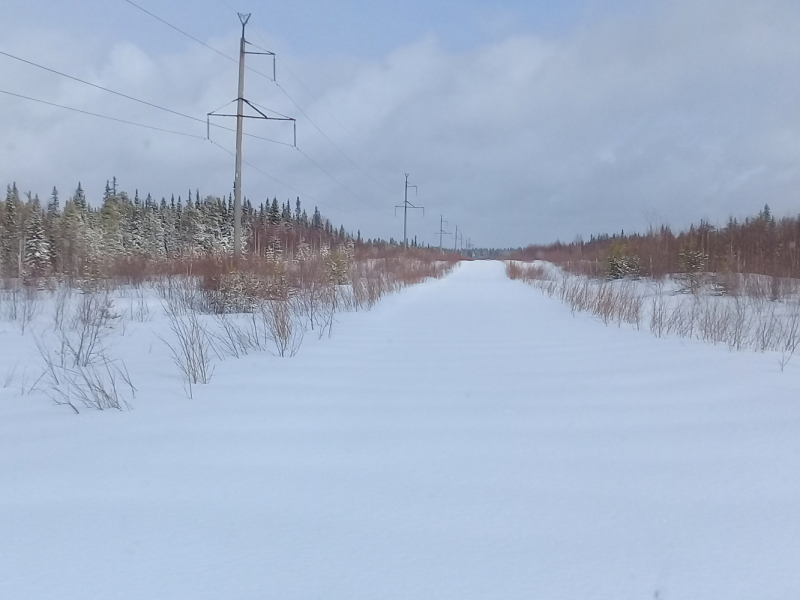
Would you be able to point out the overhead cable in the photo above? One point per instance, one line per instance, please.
(191, 37)
(129, 97)
(86, 112)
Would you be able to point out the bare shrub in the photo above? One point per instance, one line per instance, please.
(766, 332)
(713, 322)
(369, 285)
(25, 387)
(346, 298)
(525, 272)
(658, 311)
(233, 340)
(285, 326)
(61, 305)
(87, 327)
(790, 331)
(724, 284)
(130, 270)
(612, 302)
(97, 384)
(29, 307)
(513, 270)
(10, 375)
(11, 302)
(628, 305)
(237, 292)
(330, 306)
(139, 309)
(759, 318)
(757, 287)
(179, 295)
(191, 350)
(789, 335)
(313, 289)
(740, 324)
(602, 303)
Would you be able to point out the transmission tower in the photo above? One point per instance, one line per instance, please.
(240, 117)
(405, 206)
(441, 231)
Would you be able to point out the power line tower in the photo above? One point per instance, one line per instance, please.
(441, 231)
(459, 236)
(405, 206)
(240, 117)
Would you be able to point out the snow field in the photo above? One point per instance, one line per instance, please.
(467, 438)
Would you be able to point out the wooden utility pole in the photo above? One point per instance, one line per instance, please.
(240, 117)
(405, 206)
(237, 185)
(442, 232)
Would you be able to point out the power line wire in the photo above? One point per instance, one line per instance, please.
(292, 100)
(171, 26)
(86, 112)
(309, 196)
(129, 97)
(228, 6)
(193, 38)
(332, 143)
(297, 79)
(175, 28)
(161, 129)
(277, 113)
(344, 187)
(309, 118)
(100, 87)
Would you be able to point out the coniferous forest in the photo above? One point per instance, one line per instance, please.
(78, 237)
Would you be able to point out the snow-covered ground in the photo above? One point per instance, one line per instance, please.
(466, 438)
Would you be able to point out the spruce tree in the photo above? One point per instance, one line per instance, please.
(11, 233)
(79, 198)
(37, 250)
(111, 219)
(52, 226)
(274, 215)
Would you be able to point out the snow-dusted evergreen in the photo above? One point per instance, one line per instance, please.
(84, 239)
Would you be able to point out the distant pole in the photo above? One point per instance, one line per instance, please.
(455, 240)
(441, 231)
(405, 215)
(405, 207)
(237, 191)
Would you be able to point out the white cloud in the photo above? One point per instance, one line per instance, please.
(685, 110)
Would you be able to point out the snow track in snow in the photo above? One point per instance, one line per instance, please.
(467, 438)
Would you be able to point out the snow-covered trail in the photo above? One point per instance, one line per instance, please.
(467, 438)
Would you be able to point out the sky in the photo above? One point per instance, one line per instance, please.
(519, 122)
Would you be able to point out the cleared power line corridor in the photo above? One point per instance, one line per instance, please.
(468, 438)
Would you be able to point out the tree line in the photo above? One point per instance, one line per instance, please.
(83, 240)
(757, 245)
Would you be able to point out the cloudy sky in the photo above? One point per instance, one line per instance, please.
(519, 121)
